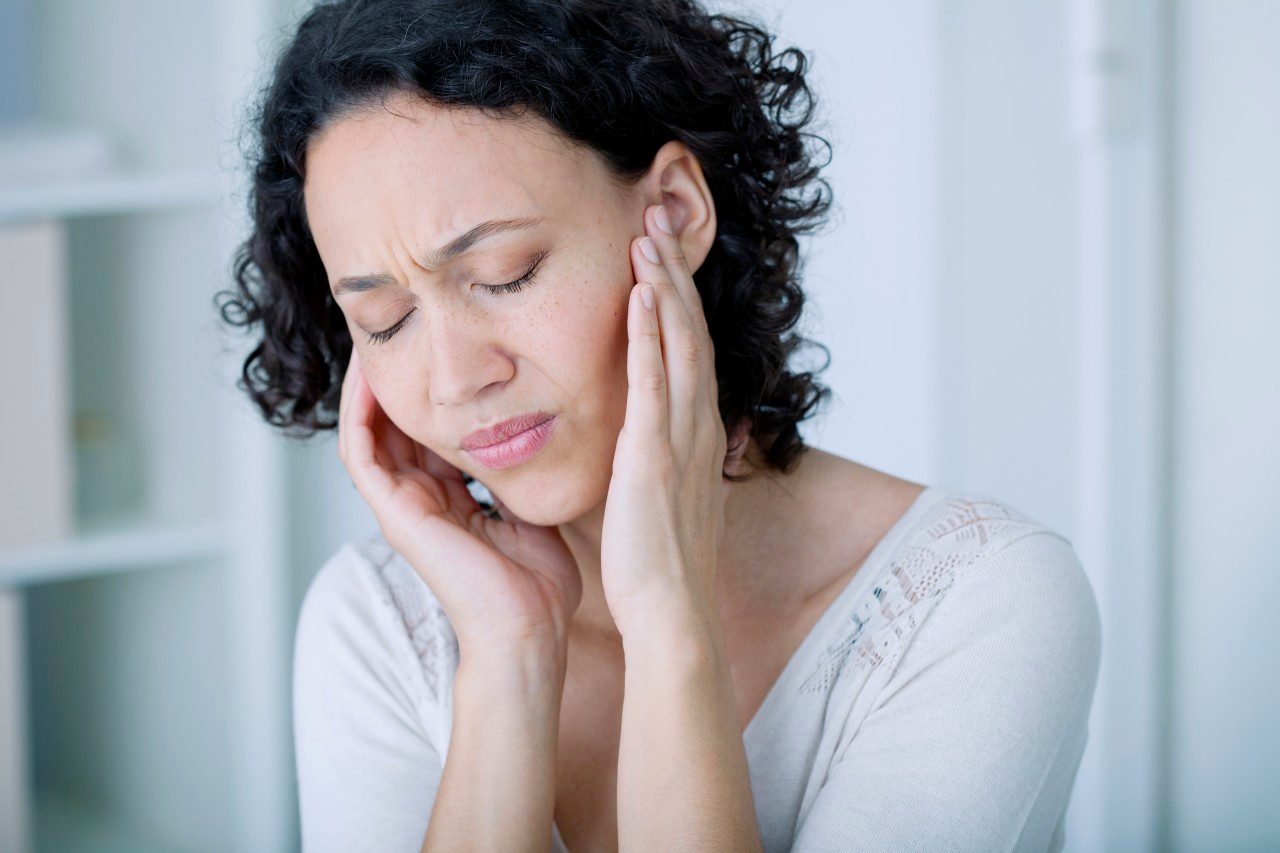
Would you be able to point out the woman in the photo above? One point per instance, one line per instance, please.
(551, 247)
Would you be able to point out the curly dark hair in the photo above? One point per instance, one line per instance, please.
(621, 76)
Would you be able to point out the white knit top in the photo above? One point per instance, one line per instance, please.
(939, 703)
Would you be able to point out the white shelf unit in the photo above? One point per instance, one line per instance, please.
(158, 634)
(123, 193)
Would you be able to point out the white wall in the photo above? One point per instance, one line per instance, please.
(1009, 265)
(946, 288)
(871, 276)
(1224, 752)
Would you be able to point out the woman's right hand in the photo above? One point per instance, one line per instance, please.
(503, 582)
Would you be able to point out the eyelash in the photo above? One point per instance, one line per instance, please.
(510, 287)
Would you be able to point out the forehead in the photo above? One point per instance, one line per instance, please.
(427, 171)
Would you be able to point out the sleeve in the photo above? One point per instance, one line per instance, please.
(975, 741)
(367, 773)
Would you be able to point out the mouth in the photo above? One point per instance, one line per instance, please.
(510, 442)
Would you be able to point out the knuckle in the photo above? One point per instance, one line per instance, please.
(653, 382)
(691, 351)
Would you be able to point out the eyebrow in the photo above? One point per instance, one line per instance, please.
(446, 253)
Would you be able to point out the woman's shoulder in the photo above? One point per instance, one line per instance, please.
(367, 598)
(954, 569)
(978, 621)
(993, 568)
(972, 535)
(925, 535)
(918, 539)
(969, 658)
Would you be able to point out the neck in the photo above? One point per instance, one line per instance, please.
(582, 536)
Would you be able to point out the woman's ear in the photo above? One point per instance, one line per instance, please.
(675, 180)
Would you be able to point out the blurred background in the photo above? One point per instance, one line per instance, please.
(1052, 276)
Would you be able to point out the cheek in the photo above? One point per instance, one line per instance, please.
(395, 398)
(604, 396)
(402, 397)
(585, 338)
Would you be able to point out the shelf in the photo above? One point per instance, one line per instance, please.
(157, 628)
(131, 546)
(122, 192)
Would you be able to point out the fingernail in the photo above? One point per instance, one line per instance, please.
(646, 295)
(660, 216)
(648, 249)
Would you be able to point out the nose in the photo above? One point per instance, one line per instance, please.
(463, 358)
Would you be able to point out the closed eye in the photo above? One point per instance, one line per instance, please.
(513, 286)
(510, 287)
(385, 335)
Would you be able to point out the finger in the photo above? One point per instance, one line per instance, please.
(646, 416)
(361, 459)
(344, 402)
(391, 444)
(671, 253)
(681, 348)
(377, 451)
(458, 498)
(651, 269)
(401, 449)
(665, 234)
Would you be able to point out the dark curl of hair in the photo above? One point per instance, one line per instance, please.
(621, 76)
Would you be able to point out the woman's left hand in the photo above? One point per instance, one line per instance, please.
(664, 514)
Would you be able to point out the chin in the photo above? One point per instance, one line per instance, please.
(551, 496)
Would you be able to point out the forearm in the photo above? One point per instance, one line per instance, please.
(497, 791)
(683, 781)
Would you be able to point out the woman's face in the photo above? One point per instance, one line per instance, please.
(386, 189)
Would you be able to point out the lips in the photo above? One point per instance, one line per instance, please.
(519, 448)
(503, 431)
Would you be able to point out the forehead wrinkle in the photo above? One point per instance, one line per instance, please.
(478, 159)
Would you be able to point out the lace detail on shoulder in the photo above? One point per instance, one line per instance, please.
(420, 612)
(949, 539)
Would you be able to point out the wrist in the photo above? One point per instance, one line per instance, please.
(528, 667)
(661, 604)
(674, 633)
